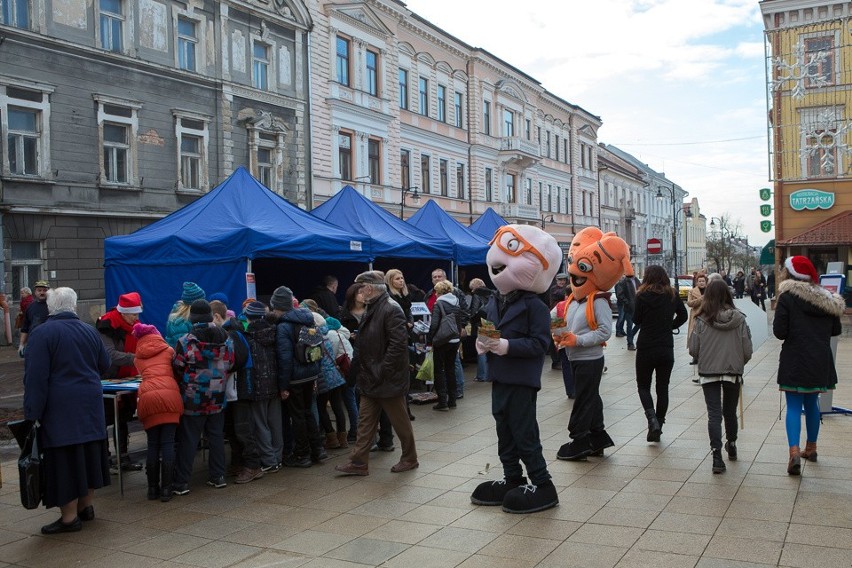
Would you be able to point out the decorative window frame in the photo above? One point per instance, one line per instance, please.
(132, 123)
(204, 134)
(201, 38)
(352, 154)
(264, 131)
(44, 171)
(272, 70)
(349, 59)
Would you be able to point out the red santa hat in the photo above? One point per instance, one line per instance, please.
(130, 303)
(801, 268)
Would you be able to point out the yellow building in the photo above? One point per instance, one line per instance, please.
(809, 93)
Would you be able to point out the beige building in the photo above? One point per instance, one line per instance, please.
(694, 237)
(401, 108)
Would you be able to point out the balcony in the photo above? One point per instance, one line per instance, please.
(518, 152)
(520, 211)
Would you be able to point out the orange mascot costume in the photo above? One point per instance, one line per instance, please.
(596, 261)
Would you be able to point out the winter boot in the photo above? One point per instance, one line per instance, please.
(341, 440)
(167, 471)
(531, 498)
(331, 441)
(654, 429)
(810, 451)
(152, 471)
(794, 466)
(731, 448)
(718, 462)
(600, 441)
(576, 450)
(493, 492)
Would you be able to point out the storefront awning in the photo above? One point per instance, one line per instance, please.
(767, 255)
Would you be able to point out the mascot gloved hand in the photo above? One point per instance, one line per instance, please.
(596, 261)
(522, 262)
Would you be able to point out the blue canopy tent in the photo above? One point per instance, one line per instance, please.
(470, 248)
(488, 223)
(213, 241)
(395, 243)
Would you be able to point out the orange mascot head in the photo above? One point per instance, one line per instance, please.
(596, 261)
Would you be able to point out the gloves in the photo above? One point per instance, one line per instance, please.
(502, 346)
(497, 346)
(21, 350)
(566, 339)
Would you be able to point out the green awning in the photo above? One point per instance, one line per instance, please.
(767, 254)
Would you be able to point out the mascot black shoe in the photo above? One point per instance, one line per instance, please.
(531, 498)
(493, 492)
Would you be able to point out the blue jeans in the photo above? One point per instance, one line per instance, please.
(459, 374)
(189, 434)
(351, 407)
(482, 366)
(619, 322)
(629, 329)
(161, 443)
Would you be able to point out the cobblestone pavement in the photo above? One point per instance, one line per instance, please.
(641, 505)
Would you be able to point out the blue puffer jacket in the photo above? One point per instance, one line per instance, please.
(330, 378)
(524, 320)
(291, 371)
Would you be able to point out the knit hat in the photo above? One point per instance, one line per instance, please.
(373, 277)
(801, 268)
(248, 301)
(143, 329)
(218, 296)
(130, 303)
(199, 312)
(562, 276)
(282, 298)
(191, 292)
(319, 321)
(255, 310)
(41, 284)
(332, 323)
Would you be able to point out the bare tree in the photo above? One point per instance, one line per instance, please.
(725, 246)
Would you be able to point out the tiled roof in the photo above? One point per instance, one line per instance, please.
(835, 231)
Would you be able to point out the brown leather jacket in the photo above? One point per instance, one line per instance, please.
(381, 352)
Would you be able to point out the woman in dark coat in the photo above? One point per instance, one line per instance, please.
(62, 378)
(659, 310)
(806, 317)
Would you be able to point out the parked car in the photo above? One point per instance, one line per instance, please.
(684, 285)
(613, 302)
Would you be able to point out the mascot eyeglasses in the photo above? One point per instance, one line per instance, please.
(512, 243)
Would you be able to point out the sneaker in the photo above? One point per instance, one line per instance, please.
(631, 348)
(271, 468)
(478, 380)
(696, 380)
(217, 482)
(297, 461)
(731, 448)
(320, 456)
(247, 475)
(180, 489)
(460, 396)
(718, 462)
(493, 492)
(442, 406)
(531, 498)
(619, 334)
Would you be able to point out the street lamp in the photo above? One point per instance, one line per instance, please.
(546, 219)
(660, 198)
(414, 195)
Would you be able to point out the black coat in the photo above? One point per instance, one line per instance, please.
(326, 300)
(524, 320)
(260, 381)
(806, 317)
(381, 353)
(657, 315)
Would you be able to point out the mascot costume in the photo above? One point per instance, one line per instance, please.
(596, 261)
(522, 262)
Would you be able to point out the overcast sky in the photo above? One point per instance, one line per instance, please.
(679, 84)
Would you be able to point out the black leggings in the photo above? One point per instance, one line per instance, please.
(335, 397)
(660, 362)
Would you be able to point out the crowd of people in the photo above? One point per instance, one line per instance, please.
(262, 377)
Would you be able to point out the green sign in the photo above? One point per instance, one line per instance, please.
(766, 226)
(766, 210)
(765, 193)
(811, 199)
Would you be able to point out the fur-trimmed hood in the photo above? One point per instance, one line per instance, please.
(816, 296)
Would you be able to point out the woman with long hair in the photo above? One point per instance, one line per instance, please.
(353, 310)
(721, 341)
(659, 310)
(398, 291)
(806, 317)
(693, 300)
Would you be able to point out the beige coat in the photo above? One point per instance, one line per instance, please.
(693, 300)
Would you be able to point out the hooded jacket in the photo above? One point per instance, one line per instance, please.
(203, 359)
(381, 352)
(260, 380)
(723, 346)
(159, 396)
(290, 371)
(447, 305)
(806, 317)
(657, 315)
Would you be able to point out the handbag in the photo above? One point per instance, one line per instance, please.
(30, 470)
(343, 362)
(448, 329)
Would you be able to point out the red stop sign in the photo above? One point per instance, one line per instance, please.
(655, 246)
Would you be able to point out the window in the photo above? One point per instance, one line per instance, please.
(442, 103)
(15, 13)
(111, 23)
(264, 166)
(583, 163)
(821, 153)
(260, 66)
(442, 176)
(565, 150)
(374, 160)
(460, 190)
(372, 73)
(343, 61)
(541, 195)
(26, 265)
(187, 42)
(557, 202)
(192, 136)
(556, 147)
(405, 168)
(528, 129)
(116, 149)
(489, 193)
(458, 109)
(117, 125)
(344, 155)
(821, 71)
(547, 144)
(528, 198)
(26, 129)
(425, 174)
(403, 89)
(508, 123)
(549, 197)
(424, 97)
(538, 134)
(510, 188)
(486, 117)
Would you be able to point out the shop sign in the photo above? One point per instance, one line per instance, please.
(811, 199)
(766, 210)
(765, 193)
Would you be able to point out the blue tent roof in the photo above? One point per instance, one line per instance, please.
(391, 237)
(470, 247)
(488, 223)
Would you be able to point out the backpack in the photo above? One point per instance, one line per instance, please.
(307, 347)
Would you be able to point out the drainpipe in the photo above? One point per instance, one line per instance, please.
(309, 191)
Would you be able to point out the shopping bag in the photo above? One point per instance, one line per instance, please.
(426, 373)
(30, 470)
